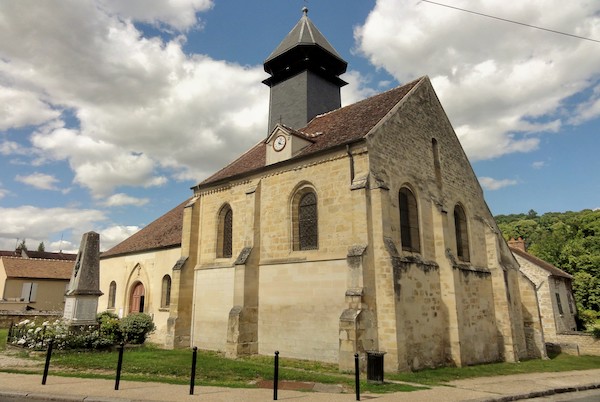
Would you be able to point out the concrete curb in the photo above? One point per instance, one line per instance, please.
(538, 394)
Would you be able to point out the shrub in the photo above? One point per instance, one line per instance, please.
(110, 326)
(34, 335)
(136, 327)
(595, 330)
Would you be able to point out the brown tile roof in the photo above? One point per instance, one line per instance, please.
(541, 263)
(164, 232)
(17, 267)
(44, 255)
(338, 127)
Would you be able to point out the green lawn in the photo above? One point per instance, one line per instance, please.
(149, 363)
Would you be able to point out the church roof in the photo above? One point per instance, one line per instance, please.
(17, 267)
(551, 269)
(164, 232)
(304, 33)
(341, 126)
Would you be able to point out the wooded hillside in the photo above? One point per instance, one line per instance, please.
(568, 240)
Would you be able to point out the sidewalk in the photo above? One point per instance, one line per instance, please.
(503, 388)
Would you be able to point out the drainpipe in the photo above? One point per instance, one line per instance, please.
(351, 163)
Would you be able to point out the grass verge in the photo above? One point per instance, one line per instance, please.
(152, 364)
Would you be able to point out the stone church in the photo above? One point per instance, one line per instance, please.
(347, 229)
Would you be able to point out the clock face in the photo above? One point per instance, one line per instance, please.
(279, 143)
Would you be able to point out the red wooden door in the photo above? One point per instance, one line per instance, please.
(136, 304)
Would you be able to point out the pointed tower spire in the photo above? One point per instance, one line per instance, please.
(304, 80)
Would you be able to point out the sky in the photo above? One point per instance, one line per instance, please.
(111, 110)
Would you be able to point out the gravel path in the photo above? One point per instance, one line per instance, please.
(9, 359)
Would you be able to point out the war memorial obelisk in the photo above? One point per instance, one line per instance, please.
(83, 292)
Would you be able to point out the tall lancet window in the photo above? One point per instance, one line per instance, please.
(462, 234)
(225, 233)
(305, 220)
(409, 221)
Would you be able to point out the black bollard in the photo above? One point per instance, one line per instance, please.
(357, 376)
(47, 365)
(193, 376)
(276, 375)
(119, 365)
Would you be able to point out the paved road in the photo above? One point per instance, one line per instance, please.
(582, 396)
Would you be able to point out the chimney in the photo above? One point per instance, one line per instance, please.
(518, 244)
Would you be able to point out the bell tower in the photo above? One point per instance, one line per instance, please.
(304, 79)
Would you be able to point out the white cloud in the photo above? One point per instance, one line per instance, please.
(357, 88)
(21, 108)
(179, 14)
(493, 184)
(498, 82)
(27, 221)
(538, 164)
(40, 181)
(147, 111)
(40, 224)
(113, 235)
(3, 192)
(589, 109)
(12, 148)
(120, 199)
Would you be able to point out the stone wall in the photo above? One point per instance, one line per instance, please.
(149, 268)
(299, 310)
(14, 317)
(214, 300)
(476, 317)
(577, 343)
(423, 309)
(416, 147)
(548, 286)
(422, 315)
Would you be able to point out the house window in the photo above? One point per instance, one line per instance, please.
(29, 291)
(570, 301)
(559, 304)
(462, 235)
(409, 221)
(112, 294)
(165, 299)
(225, 235)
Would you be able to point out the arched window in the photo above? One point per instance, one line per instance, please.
(305, 220)
(165, 298)
(112, 294)
(409, 221)
(225, 233)
(462, 235)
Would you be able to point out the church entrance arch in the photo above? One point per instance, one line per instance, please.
(136, 301)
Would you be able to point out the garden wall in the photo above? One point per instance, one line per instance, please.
(8, 317)
(576, 343)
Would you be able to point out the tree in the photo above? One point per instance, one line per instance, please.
(22, 245)
(569, 240)
(41, 247)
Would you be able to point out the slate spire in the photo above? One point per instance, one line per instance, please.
(304, 80)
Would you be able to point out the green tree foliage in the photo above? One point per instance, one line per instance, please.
(568, 240)
(41, 247)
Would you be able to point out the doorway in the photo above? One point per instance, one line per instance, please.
(136, 304)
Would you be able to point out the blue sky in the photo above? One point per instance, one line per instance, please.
(112, 110)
